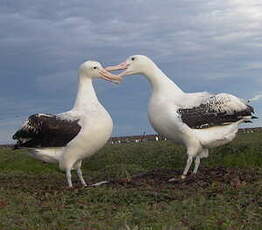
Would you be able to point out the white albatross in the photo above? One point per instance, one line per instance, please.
(198, 120)
(70, 137)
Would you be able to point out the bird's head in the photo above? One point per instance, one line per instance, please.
(135, 64)
(93, 69)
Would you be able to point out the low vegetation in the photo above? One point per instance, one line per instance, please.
(225, 194)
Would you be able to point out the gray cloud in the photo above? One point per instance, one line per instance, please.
(213, 46)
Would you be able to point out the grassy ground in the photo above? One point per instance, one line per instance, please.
(226, 193)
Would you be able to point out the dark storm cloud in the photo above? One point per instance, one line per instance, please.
(212, 46)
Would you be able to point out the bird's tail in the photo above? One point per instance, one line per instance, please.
(49, 155)
(218, 135)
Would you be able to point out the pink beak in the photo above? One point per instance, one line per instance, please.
(121, 66)
(109, 76)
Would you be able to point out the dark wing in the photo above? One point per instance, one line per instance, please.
(219, 109)
(43, 130)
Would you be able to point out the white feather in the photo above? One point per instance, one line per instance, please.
(167, 99)
(96, 126)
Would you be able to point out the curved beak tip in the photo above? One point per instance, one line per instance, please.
(110, 77)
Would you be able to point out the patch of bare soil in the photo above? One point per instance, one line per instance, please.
(204, 178)
(155, 181)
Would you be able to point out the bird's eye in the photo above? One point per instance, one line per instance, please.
(133, 58)
(95, 67)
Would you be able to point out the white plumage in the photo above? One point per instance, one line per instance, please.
(70, 137)
(198, 120)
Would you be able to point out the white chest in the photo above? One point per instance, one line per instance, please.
(96, 129)
(97, 123)
(165, 120)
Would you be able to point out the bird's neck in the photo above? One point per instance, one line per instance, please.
(160, 83)
(86, 95)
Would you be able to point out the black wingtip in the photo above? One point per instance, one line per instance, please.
(17, 134)
(251, 109)
(254, 117)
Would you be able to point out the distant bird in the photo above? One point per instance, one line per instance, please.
(198, 120)
(72, 136)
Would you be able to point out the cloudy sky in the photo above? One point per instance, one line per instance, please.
(202, 45)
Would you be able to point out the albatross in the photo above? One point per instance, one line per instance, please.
(68, 138)
(199, 121)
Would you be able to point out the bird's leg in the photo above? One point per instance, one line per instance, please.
(79, 173)
(197, 163)
(188, 164)
(69, 178)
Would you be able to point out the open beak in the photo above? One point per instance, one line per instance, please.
(109, 76)
(122, 66)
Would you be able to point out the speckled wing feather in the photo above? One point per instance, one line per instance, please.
(217, 110)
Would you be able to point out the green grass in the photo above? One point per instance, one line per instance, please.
(33, 195)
